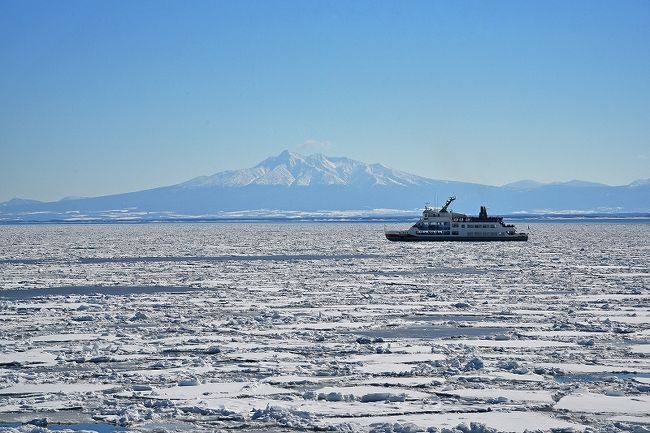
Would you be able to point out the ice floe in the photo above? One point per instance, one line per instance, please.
(295, 327)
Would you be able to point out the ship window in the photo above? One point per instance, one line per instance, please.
(455, 233)
(462, 225)
(485, 226)
(454, 225)
(492, 226)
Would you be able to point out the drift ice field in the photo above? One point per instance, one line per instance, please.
(322, 327)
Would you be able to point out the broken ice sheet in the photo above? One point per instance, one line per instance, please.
(204, 324)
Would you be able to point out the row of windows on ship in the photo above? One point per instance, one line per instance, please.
(445, 228)
(445, 225)
(455, 233)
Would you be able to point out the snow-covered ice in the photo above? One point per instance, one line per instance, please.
(282, 327)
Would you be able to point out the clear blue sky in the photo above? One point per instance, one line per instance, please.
(101, 97)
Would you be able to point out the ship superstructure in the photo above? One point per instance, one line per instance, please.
(445, 225)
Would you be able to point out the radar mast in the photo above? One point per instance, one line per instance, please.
(447, 203)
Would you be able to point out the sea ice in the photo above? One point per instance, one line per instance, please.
(292, 327)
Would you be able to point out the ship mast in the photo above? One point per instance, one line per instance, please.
(447, 203)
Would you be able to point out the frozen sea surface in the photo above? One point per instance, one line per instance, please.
(294, 327)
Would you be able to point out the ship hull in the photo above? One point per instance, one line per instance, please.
(406, 237)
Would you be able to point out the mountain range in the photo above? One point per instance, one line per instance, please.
(293, 183)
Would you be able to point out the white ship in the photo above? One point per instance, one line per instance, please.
(444, 225)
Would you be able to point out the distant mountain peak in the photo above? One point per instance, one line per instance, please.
(285, 157)
(292, 169)
(579, 183)
(19, 202)
(639, 183)
(522, 185)
(293, 182)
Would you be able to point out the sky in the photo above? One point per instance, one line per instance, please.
(101, 97)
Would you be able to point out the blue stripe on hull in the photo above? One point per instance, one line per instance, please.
(411, 238)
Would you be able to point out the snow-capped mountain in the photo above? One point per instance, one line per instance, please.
(293, 169)
(315, 183)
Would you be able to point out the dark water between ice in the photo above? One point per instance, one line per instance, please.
(14, 294)
(431, 332)
(599, 377)
(96, 427)
(446, 317)
(227, 258)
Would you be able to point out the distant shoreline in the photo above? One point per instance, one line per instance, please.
(636, 218)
